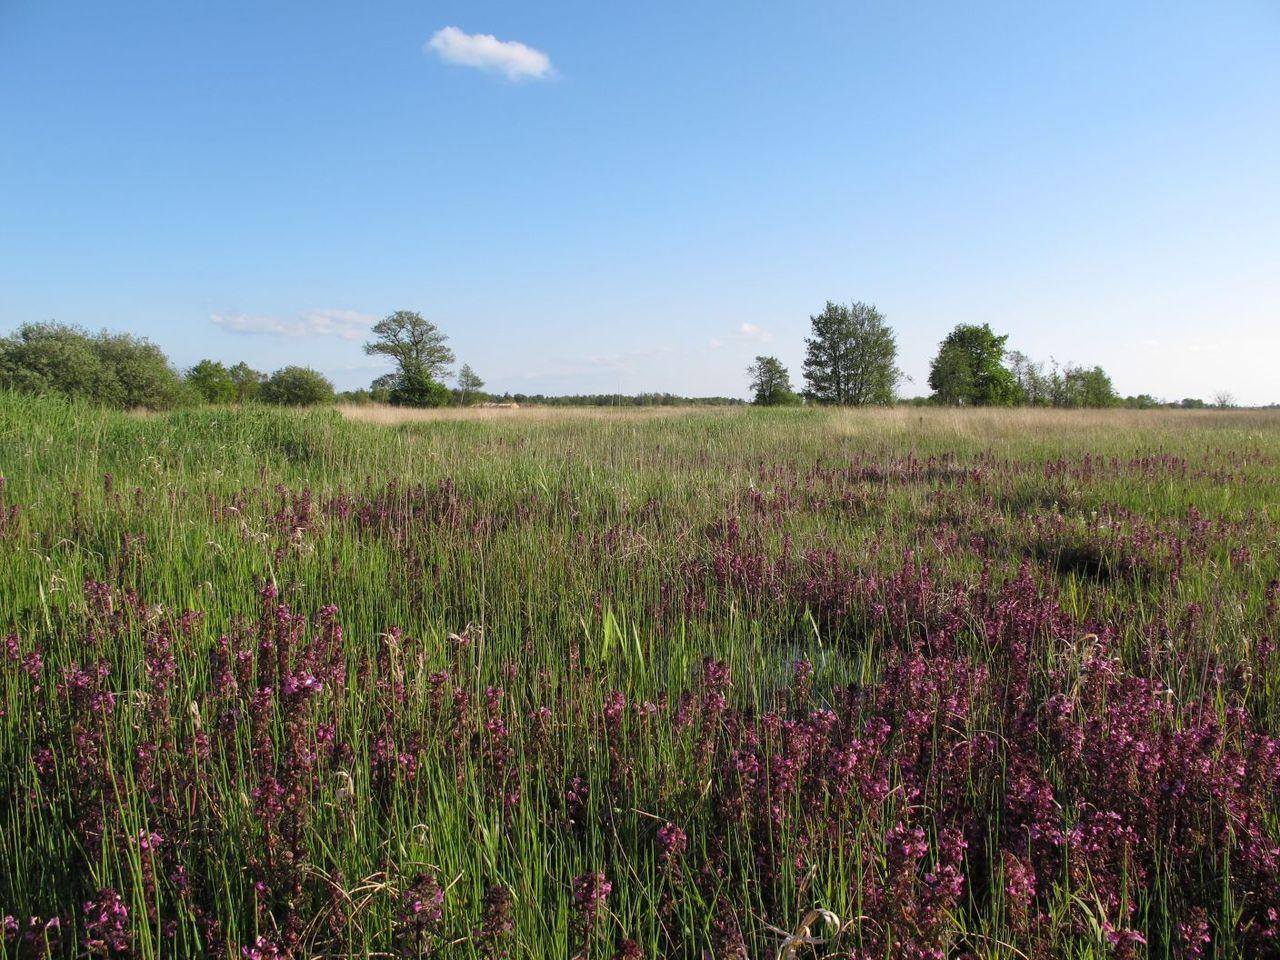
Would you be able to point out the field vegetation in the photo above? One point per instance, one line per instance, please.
(727, 683)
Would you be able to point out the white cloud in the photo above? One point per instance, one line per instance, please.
(484, 51)
(746, 333)
(346, 324)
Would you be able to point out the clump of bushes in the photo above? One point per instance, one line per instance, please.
(127, 372)
(111, 369)
(296, 387)
(214, 382)
(418, 390)
(292, 386)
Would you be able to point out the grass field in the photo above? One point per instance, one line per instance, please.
(662, 684)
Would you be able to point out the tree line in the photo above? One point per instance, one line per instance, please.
(127, 372)
(851, 359)
(124, 371)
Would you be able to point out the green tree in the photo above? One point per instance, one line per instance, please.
(248, 382)
(951, 375)
(1143, 401)
(969, 369)
(142, 373)
(1033, 388)
(771, 383)
(297, 387)
(418, 349)
(1089, 387)
(112, 369)
(851, 357)
(413, 389)
(54, 358)
(212, 381)
(469, 383)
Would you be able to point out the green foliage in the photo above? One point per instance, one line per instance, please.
(1029, 377)
(1087, 387)
(469, 385)
(969, 369)
(297, 387)
(1069, 386)
(417, 390)
(52, 358)
(248, 382)
(851, 357)
(1143, 401)
(418, 348)
(212, 381)
(771, 383)
(111, 369)
(415, 344)
(951, 376)
(142, 373)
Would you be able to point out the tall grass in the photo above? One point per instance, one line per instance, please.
(995, 684)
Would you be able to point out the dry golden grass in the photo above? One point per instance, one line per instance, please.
(984, 423)
(393, 416)
(880, 423)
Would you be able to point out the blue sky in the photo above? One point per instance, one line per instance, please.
(613, 197)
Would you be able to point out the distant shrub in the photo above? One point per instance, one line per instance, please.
(297, 387)
(143, 374)
(112, 369)
(418, 390)
(771, 383)
(248, 381)
(212, 382)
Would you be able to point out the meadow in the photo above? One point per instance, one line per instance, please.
(721, 683)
